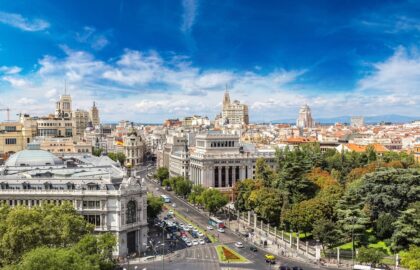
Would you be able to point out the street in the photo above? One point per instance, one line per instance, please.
(205, 257)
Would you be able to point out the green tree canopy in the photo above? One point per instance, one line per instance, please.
(161, 174)
(371, 256)
(23, 229)
(154, 206)
(213, 200)
(411, 258)
(407, 228)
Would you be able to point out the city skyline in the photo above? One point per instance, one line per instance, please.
(149, 61)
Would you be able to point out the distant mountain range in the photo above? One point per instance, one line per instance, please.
(393, 118)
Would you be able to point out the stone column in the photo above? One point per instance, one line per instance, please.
(234, 175)
(220, 176)
(226, 176)
(338, 255)
(291, 239)
(255, 223)
(297, 242)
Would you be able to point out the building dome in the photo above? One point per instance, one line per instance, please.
(33, 156)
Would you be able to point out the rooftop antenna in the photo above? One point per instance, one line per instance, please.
(65, 87)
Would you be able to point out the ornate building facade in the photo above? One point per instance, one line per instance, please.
(234, 112)
(305, 119)
(107, 196)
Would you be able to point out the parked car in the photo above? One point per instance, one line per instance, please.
(209, 227)
(284, 267)
(239, 245)
(195, 242)
(221, 230)
(269, 258)
(253, 249)
(207, 239)
(188, 243)
(202, 242)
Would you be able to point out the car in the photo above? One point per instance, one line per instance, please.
(195, 242)
(221, 230)
(207, 240)
(284, 267)
(269, 258)
(190, 227)
(200, 234)
(253, 249)
(239, 245)
(195, 230)
(188, 243)
(171, 212)
(209, 227)
(174, 205)
(296, 268)
(202, 242)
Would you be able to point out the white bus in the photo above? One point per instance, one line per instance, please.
(165, 198)
(215, 222)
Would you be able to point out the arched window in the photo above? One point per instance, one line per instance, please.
(131, 212)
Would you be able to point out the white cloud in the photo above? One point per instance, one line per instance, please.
(189, 14)
(51, 93)
(26, 101)
(15, 82)
(399, 74)
(10, 70)
(89, 35)
(25, 24)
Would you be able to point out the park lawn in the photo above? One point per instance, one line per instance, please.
(222, 258)
(212, 238)
(346, 246)
(381, 244)
(301, 235)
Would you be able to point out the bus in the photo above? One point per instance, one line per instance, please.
(215, 222)
(165, 198)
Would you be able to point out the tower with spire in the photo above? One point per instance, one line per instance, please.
(94, 115)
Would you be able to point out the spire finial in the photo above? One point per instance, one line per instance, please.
(65, 87)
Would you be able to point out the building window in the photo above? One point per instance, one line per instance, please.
(93, 219)
(131, 212)
(10, 140)
(10, 128)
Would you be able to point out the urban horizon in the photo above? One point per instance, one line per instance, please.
(152, 61)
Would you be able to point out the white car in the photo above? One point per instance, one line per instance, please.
(209, 227)
(221, 230)
(200, 234)
(171, 212)
(202, 242)
(194, 242)
(239, 245)
(188, 243)
(190, 227)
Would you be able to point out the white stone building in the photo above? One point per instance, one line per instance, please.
(134, 147)
(234, 113)
(219, 160)
(102, 192)
(305, 119)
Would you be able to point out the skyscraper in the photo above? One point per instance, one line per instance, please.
(234, 112)
(305, 119)
(94, 115)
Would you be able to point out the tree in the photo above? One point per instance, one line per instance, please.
(407, 228)
(213, 200)
(97, 151)
(195, 196)
(301, 216)
(154, 206)
(117, 156)
(161, 174)
(91, 253)
(242, 191)
(326, 232)
(383, 226)
(411, 258)
(263, 172)
(267, 203)
(23, 229)
(183, 187)
(371, 256)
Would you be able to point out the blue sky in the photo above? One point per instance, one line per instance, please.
(150, 60)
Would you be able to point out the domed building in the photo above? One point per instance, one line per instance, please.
(33, 156)
(99, 189)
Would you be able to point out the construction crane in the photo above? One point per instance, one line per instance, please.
(8, 113)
